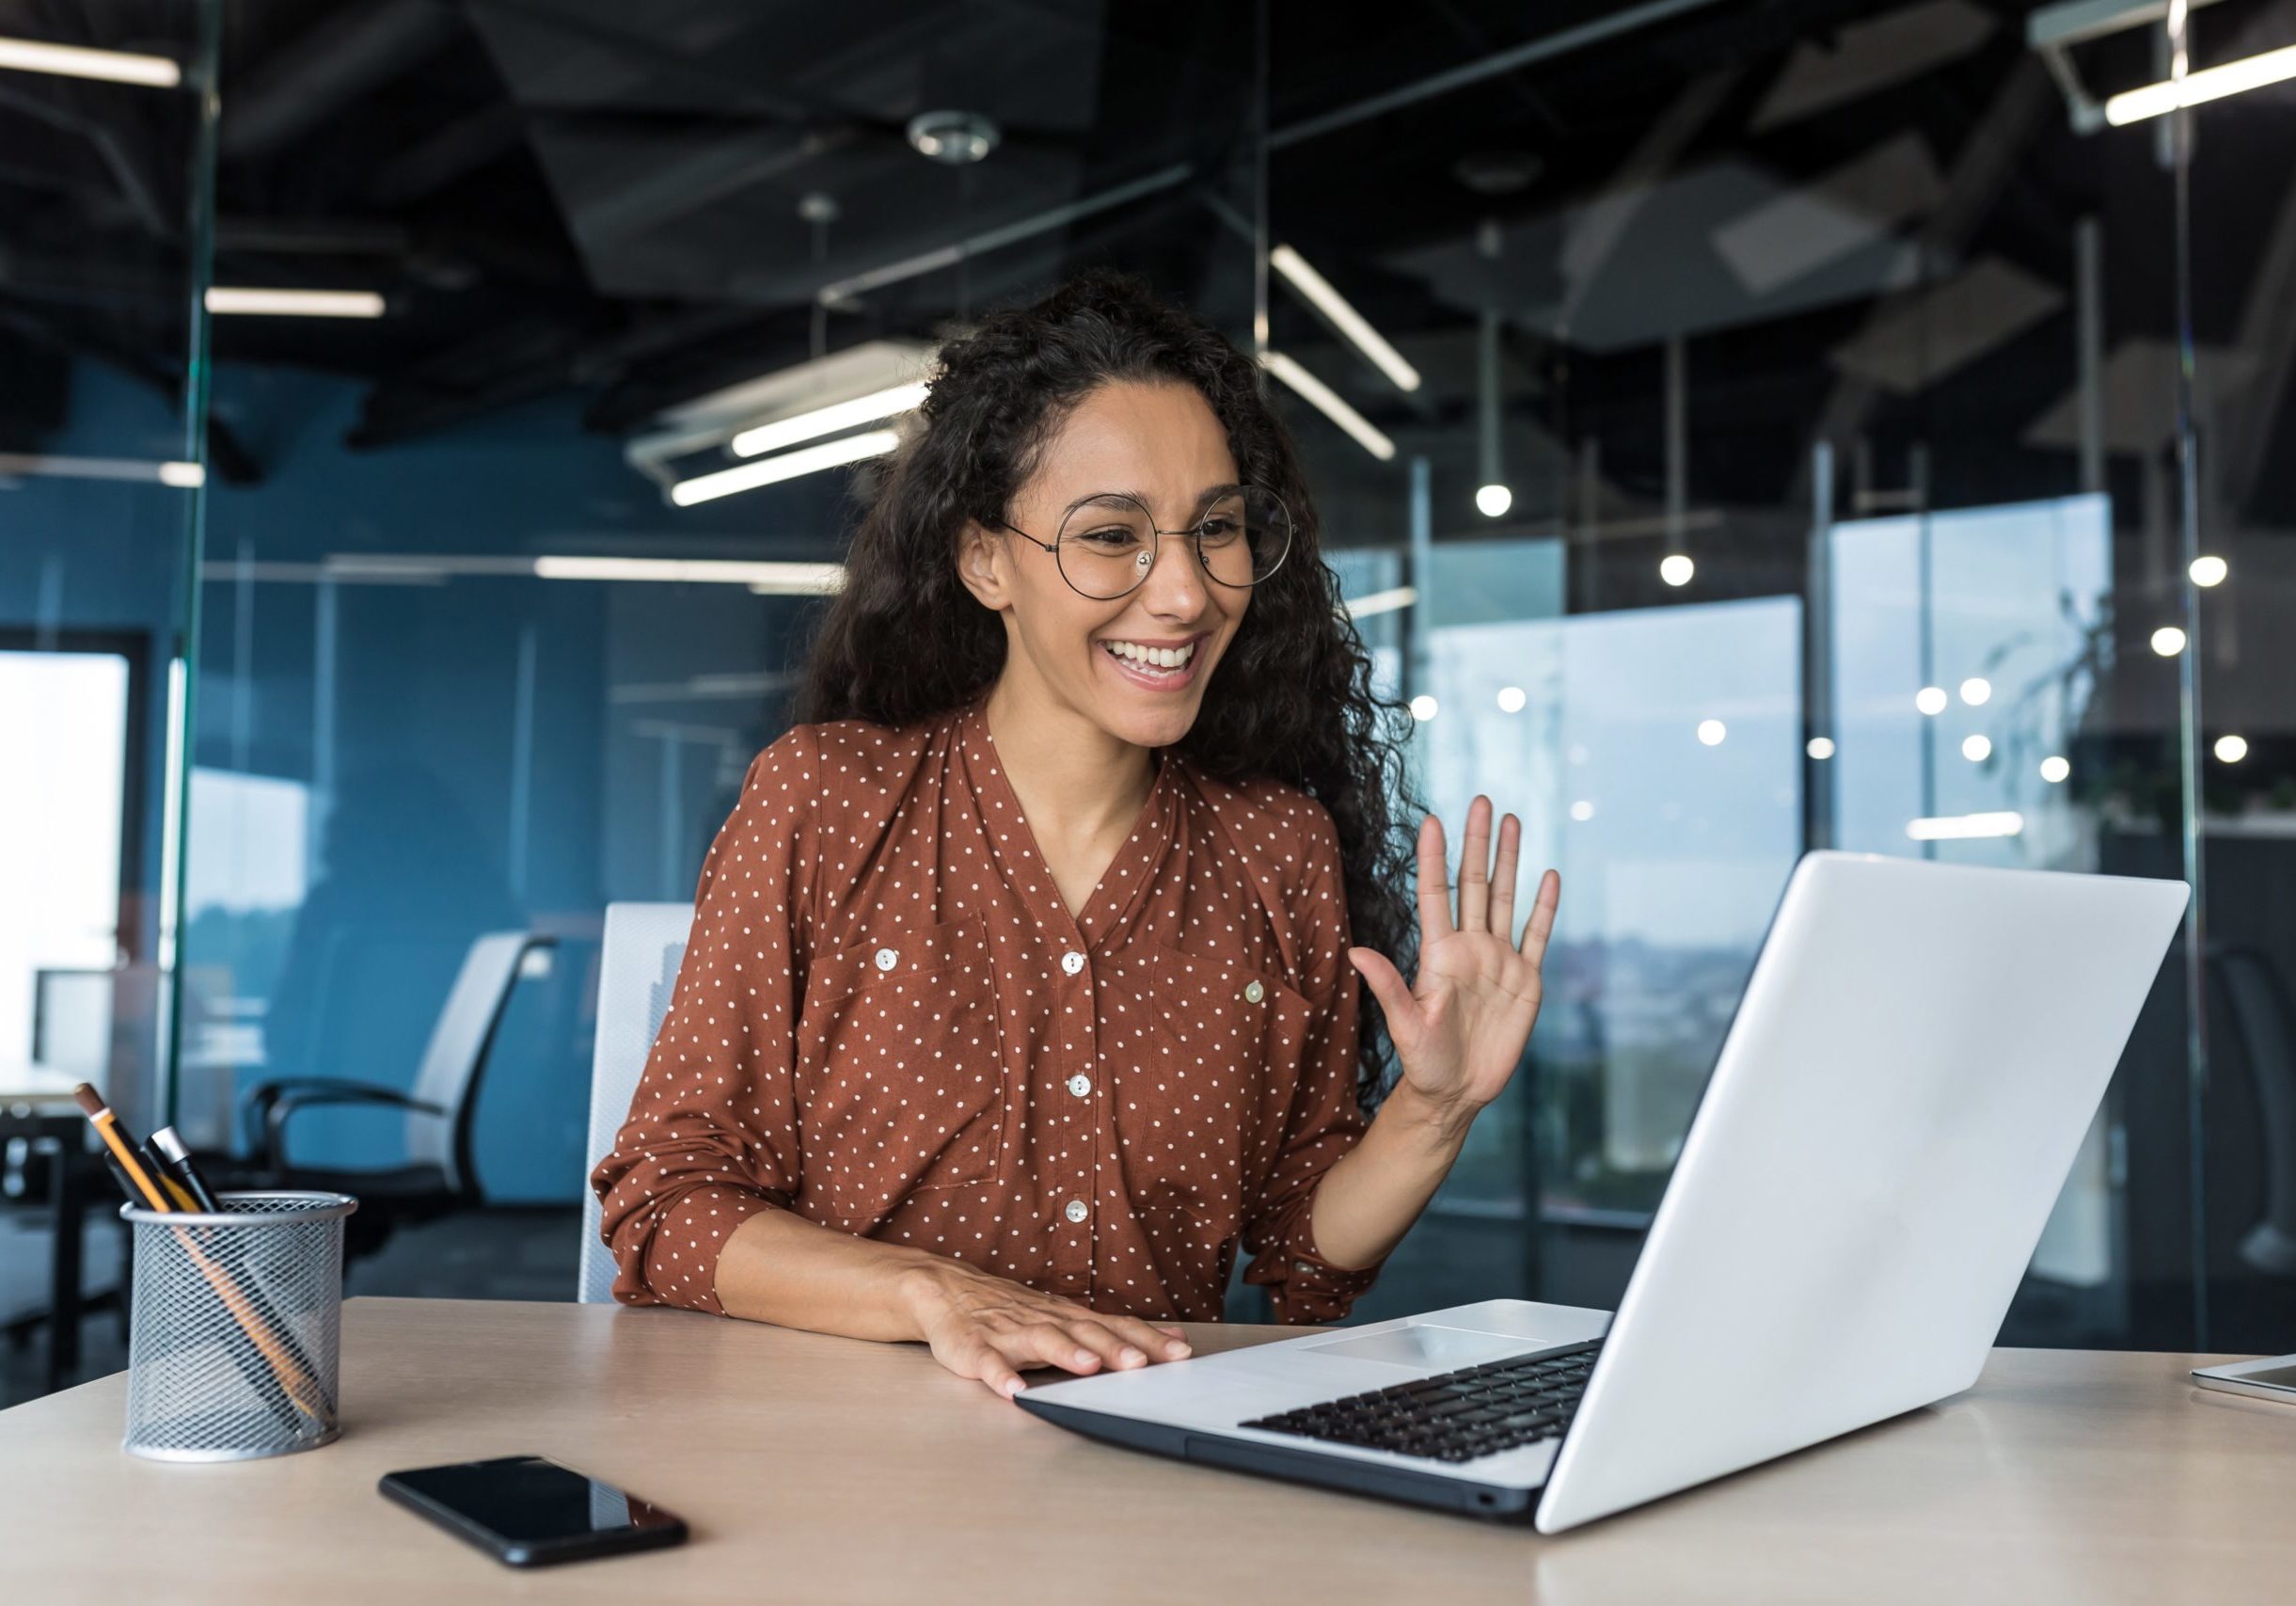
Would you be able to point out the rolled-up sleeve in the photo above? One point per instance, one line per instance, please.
(1325, 1119)
(711, 1135)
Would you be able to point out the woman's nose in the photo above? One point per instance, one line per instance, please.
(1175, 583)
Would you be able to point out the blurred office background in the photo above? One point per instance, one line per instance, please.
(1740, 426)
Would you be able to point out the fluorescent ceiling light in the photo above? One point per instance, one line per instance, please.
(2210, 83)
(72, 61)
(758, 576)
(226, 298)
(1957, 827)
(1344, 317)
(764, 576)
(832, 578)
(1372, 602)
(830, 420)
(787, 466)
(183, 476)
(1326, 400)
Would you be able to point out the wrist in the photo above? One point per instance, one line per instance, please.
(1439, 1123)
(914, 1289)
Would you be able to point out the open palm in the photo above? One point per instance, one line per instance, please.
(1460, 1027)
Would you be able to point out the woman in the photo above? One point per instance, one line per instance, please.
(1020, 991)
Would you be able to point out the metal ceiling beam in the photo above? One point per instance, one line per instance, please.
(1530, 53)
(352, 52)
(1986, 166)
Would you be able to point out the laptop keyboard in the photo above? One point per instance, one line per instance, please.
(1455, 1416)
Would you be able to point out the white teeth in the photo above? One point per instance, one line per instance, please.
(1163, 657)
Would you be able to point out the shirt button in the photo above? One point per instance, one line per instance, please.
(887, 958)
(1254, 992)
(1080, 1084)
(1077, 1210)
(1072, 961)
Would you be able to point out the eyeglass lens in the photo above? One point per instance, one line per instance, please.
(1108, 545)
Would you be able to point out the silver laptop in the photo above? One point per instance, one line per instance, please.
(1916, 1058)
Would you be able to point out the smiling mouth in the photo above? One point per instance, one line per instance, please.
(1152, 658)
(1164, 668)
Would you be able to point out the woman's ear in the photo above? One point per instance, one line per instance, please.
(980, 565)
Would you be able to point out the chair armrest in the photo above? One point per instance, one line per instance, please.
(254, 1103)
(308, 1095)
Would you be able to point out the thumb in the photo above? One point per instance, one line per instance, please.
(1386, 984)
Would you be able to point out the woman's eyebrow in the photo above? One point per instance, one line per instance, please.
(1142, 497)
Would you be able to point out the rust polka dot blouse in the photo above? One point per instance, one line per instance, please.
(888, 1021)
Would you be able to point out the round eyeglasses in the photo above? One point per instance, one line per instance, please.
(1107, 543)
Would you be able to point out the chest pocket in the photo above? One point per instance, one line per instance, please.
(1207, 1083)
(900, 1081)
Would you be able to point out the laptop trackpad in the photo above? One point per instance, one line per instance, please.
(1443, 1348)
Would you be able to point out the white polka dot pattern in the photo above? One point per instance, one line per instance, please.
(888, 1021)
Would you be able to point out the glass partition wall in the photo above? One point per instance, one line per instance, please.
(1735, 432)
(1855, 436)
(103, 211)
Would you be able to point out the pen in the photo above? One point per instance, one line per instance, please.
(176, 1161)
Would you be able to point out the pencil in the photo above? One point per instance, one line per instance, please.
(285, 1376)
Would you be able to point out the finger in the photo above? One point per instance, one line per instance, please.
(979, 1359)
(1047, 1342)
(1386, 984)
(1475, 869)
(1171, 1340)
(1541, 923)
(1112, 1351)
(1155, 1339)
(1434, 890)
(1502, 878)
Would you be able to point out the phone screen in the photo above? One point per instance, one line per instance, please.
(530, 1501)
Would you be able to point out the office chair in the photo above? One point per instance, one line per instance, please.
(438, 1175)
(644, 944)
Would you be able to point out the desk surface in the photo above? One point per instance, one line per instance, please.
(22, 1084)
(817, 1470)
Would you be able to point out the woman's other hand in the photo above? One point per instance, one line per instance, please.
(988, 1327)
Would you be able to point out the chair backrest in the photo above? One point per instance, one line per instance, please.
(452, 1059)
(644, 944)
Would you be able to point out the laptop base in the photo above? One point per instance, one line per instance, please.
(1442, 1491)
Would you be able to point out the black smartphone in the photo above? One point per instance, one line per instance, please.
(530, 1512)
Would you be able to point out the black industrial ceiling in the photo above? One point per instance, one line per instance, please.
(639, 204)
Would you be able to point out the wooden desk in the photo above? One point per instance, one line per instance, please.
(817, 1470)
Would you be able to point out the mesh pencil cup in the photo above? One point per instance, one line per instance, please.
(234, 1346)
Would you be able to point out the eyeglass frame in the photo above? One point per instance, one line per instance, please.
(1195, 530)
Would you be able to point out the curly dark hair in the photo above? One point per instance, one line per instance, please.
(1295, 705)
